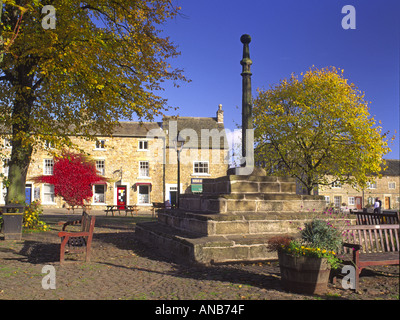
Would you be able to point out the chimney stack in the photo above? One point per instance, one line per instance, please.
(220, 114)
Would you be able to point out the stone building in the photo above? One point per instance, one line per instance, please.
(140, 161)
(386, 188)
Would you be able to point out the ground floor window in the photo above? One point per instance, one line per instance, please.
(352, 201)
(48, 193)
(144, 194)
(99, 194)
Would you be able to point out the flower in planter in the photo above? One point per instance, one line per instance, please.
(318, 239)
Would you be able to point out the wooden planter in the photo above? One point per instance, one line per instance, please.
(12, 225)
(304, 274)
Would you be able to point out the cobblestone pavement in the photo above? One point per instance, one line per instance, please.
(123, 268)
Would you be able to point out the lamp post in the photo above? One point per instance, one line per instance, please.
(178, 145)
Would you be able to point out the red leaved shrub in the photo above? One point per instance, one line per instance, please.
(73, 177)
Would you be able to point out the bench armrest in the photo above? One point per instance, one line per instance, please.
(69, 223)
(355, 247)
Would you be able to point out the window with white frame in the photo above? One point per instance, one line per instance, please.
(351, 201)
(200, 167)
(48, 193)
(371, 185)
(99, 194)
(392, 185)
(144, 194)
(337, 201)
(143, 145)
(327, 200)
(100, 144)
(144, 170)
(100, 167)
(48, 166)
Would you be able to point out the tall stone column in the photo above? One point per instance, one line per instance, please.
(247, 117)
(247, 161)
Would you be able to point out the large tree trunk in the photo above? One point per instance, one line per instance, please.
(18, 169)
(21, 141)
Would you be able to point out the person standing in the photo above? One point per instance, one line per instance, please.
(377, 208)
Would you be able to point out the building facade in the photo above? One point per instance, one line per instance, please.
(140, 162)
(386, 188)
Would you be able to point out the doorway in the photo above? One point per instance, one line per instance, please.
(121, 197)
(28, 194)
(358, 203)
(387, 203)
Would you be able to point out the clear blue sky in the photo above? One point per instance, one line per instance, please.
(287, 36)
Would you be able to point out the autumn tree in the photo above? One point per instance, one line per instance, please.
(318, 129)
(102, 62)
(73, 176)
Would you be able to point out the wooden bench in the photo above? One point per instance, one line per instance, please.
(112, 209)
(367, 218)
(128, 209)
(370, 245)
(77, 241)
(131, 209)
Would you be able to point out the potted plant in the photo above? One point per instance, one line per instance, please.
(306, 262)
(12, 215)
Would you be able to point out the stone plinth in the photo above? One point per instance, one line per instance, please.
(244, 223)
(258, 194)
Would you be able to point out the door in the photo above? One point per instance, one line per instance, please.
(359, 203)
(387, 202)
(28, 194)
(121, 197)
(172, 198)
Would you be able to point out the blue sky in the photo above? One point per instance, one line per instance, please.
(288, 36)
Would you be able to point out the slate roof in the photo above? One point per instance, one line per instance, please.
(135, 129)
(197, 131)
(393, 168)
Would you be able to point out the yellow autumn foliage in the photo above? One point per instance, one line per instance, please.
(318, 126)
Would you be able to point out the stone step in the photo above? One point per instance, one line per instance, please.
(244, 223)
(258, 202)
(189, 248)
